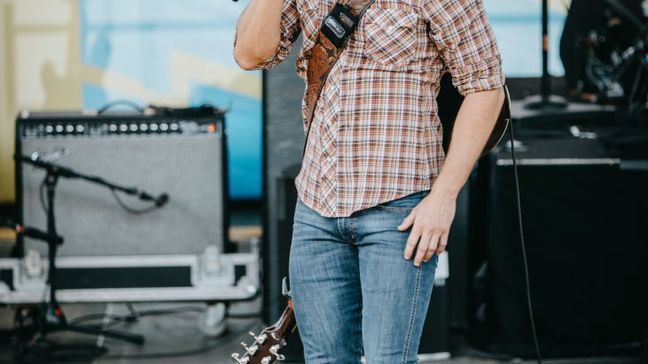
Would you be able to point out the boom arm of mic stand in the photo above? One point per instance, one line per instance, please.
(69, 173)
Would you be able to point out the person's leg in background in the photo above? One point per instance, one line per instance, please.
(325, 289)
(395, 293)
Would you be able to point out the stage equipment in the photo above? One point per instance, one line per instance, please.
(50, 317)
(585, 227)
(118, 249)
(603, 49)
(545, 100)
(183, 158)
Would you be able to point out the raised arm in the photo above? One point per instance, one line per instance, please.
(265, 33)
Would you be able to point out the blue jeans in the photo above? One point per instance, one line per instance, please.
(353, 292)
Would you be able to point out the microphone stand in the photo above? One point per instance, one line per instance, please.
(61, 171)
(545, 100)
(52, 318)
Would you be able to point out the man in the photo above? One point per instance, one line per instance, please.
(377, 195)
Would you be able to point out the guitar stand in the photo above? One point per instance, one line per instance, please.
(34, 324)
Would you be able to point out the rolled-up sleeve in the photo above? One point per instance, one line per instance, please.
(290, 29)
(466, 43)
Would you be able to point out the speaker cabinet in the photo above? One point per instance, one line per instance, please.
(585, 225)
(182, 156)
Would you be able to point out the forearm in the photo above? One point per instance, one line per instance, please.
(258, 32)
(474, 124)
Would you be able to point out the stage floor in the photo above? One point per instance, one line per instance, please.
(170, 335)
(181, 333)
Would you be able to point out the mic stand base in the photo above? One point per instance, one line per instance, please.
(545, 103)
(33, 324)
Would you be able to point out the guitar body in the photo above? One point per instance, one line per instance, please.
(449, 101)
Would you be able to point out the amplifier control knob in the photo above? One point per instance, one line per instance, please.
(59, 128)
(49, 129)
(69, 128)
(154, 127)
(133, 127)
(80, 128)
(174, 126)
(143, 127)
(123, 128)
(164, 127)
(112, 128)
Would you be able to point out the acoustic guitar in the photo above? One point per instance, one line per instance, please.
(449, 101)
(266, 345)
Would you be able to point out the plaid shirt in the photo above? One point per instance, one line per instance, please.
(375, 134)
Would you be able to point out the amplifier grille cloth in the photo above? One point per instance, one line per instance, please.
(187, 167)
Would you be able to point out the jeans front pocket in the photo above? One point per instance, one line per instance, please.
(403, 204)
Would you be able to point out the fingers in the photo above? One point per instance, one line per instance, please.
(409, 220)
(442, 244)
(426, 238)
(412, 239)
(421, 249)
(431, 248)
(427, 243)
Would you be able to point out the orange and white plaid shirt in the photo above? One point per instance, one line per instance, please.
(375, 135)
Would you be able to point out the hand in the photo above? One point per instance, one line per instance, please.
(430, 221)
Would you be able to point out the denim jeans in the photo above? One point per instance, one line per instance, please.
(353, 292)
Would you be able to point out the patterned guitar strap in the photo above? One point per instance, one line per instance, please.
(323, 57)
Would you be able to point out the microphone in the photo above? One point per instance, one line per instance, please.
(162, 200)
(159, 201)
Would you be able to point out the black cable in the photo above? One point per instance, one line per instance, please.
(524, 254)
(131, 210)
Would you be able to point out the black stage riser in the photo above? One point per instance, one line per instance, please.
(586, 231)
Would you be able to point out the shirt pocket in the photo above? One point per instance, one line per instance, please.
(390, 35)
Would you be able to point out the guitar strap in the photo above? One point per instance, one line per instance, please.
(323, 57)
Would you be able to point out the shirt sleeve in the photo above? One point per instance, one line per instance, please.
(466, 43)
(290, 30)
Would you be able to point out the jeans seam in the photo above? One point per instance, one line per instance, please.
(408, 335)
(339, 221)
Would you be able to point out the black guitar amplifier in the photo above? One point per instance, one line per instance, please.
(180, 154)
